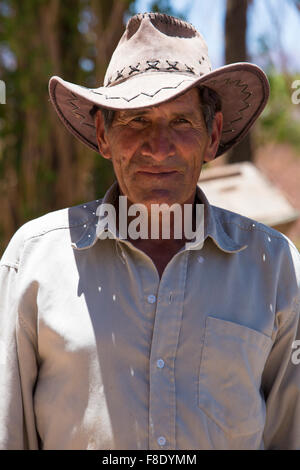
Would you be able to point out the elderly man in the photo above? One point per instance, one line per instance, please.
(128, 342)
(157, 154)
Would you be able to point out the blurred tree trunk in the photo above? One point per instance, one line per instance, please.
(236, 51)
(42, 166)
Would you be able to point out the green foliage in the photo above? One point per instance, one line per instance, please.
(280, 121)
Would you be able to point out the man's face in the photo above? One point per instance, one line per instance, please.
(157, 152)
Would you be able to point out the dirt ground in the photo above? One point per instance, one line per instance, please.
(281, 165)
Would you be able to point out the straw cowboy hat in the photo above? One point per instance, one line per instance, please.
(158, 58)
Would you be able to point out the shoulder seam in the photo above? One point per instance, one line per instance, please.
(257, 227)
(45, 231)
(88, 220)
(15, 265)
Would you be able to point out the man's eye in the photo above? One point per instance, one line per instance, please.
(181, 121)
(139, 119)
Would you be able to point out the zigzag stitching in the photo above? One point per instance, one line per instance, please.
(244, 86)
(71, 100)
(142, 93)
(75, 107)
(87, 124)
(249, 93)
(78, 114)
(73, 104)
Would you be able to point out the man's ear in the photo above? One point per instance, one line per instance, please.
(102, 140)
(214, 138)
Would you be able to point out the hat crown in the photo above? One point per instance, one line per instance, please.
(168, 25)
(156, 42)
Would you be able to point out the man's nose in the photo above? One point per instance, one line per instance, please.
(159, 143)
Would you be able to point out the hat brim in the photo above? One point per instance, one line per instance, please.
(243, 88)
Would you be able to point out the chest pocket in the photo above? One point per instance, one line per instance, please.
(232, 362)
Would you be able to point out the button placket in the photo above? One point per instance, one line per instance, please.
(168, 317)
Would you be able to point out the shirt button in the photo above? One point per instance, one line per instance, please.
(151, 299)
(160, 363)
(161, 440)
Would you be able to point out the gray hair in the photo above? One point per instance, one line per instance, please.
(210, 104)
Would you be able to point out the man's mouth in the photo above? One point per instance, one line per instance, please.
(158, 172)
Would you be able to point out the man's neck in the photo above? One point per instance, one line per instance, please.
(173, 242)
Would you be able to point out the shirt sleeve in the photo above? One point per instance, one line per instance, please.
(18, 364)
(281, 377)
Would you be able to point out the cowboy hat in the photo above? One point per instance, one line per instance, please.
(158, 58)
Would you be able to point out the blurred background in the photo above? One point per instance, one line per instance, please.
(44, 168)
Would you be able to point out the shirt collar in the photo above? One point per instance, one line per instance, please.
(213, 227)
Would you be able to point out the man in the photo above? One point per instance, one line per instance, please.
(120, 342)
(157, 154)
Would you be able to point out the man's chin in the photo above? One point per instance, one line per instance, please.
(159, 196)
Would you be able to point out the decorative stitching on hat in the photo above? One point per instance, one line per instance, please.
(134, 69)
(75, 110)
(152, 64)
(160, 65)
(119, 74)
(244, 86)
(235, 120)
(73, 99)
(172, 66)
(87, 124)
(136, 96)
(189, 69)
(229, 130)
(78, 115)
